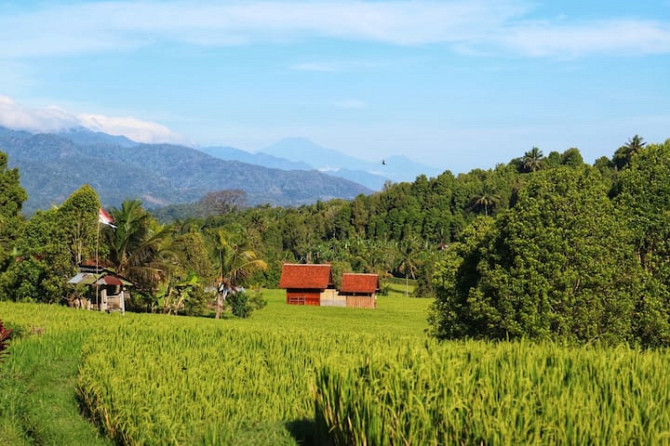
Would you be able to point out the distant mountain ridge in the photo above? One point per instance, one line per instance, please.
(372, 175)
(259, 159)
(52, 166)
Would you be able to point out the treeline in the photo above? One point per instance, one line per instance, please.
(401, 231)
(540, 247)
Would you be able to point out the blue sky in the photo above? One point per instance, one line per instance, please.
(455, 84)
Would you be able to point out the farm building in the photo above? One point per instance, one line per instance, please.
(107, 290)
(307, 284)
(360, 290)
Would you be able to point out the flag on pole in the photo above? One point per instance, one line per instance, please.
(105, 218)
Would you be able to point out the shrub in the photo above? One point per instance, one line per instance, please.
(239, 304)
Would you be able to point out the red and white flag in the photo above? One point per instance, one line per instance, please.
(105, 218)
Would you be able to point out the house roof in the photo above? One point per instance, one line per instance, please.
(95, 275)
(359, 283)
(305, 276)
(84, 279)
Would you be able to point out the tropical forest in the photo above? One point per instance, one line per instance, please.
(527, 303)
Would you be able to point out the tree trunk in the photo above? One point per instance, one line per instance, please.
(219, 306)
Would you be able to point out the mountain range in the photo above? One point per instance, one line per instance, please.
(303, 154)
(53, 165)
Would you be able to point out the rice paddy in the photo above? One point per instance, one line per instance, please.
(311, 375)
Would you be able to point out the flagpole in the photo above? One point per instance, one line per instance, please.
(97, 286)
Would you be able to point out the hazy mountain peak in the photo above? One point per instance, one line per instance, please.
(371, 174)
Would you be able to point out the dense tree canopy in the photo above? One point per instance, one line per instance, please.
(556, 265)
(540, 247)
(12, 196)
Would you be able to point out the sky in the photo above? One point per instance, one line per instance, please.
(454, 84)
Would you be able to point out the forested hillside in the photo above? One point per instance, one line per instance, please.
(55, 165)
(540, 247)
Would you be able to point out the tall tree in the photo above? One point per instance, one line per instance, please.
(408, 259)
(558, 264)
(79, 215)
(485, 199)
(139, 246)
(643, 195)
(532, 160)
(223, 201)
(12, 196)
(236, 262)
(625, 153)
(42, 265)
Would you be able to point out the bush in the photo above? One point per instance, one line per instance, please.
(240, 305)
(257, 300)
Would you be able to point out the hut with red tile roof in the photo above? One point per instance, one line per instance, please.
(360, 290)
(306, 284)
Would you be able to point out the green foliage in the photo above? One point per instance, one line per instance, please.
(139, 249)
(643, 195)
(79, 216)
(558, 264)
(625, 153)
(12, 196)
(257, 300)
(240, 305)
(533, 160)
(572, 158)
(43, 265)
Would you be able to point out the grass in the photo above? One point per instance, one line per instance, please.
(312, 375)
(38, 403)
(38, 389)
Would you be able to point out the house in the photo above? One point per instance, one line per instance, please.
(307, 284)
(107, 290)
(360, 290)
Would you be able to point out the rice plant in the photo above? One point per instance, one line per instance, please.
(290, 375)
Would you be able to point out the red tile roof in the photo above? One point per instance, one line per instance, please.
(305, 276)
(359, 283)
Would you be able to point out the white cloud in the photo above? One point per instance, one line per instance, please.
(51, 119)
(133, 128)
(467, 26)
(16, 116)
(624, 37)
(113, 26)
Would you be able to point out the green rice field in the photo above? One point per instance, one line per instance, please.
(311, 375)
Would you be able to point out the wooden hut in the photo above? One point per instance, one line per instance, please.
(307, 284)
(360, 290)
(107, 290)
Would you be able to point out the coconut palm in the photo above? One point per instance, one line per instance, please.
(485, 200)
(236, 263)
(625, 153)
(532, 160)
(138, 247)
(408, 256)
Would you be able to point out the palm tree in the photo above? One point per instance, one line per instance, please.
(532, 160)
(408, 251)
(236, 263)
(139, 247)
(485, 199)
(625, 153)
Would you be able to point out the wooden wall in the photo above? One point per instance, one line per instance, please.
(303, 297)
(361, 302)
